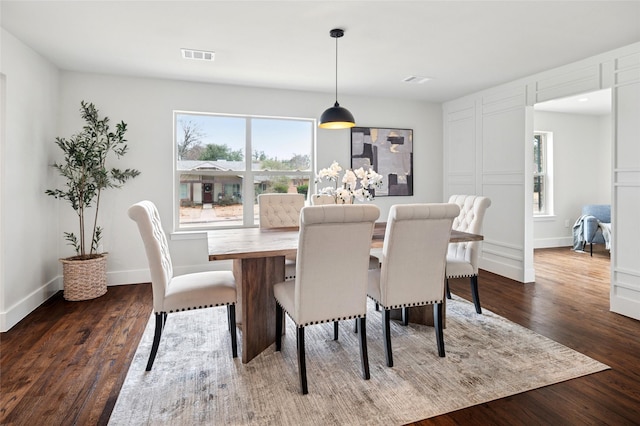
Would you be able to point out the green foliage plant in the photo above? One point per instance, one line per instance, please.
(86, 174)
(303, 189)
(280, 188)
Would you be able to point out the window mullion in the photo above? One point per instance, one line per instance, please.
(248, 189)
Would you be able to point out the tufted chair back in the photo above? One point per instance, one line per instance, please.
(414, 255)
(413, 265)
(145, 214)
(472, 210)
(280, 210)
(321, 199)
(331, 267)
(331, 275)
(197, 290)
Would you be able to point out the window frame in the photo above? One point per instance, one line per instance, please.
(247, 175)
(545, 174)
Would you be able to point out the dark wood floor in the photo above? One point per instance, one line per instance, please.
(65, 363)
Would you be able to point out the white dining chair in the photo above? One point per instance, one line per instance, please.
(412, 267)
(324, 199)
(183, 292)
(462, 258)
(331, 275)
(279, 210)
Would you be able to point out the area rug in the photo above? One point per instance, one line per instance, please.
(196, 381)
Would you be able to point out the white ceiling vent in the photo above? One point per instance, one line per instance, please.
(416, 79)
(198, 55)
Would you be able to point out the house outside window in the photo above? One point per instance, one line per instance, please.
(542, 174)
(212, 168)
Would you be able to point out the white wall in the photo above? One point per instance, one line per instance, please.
(29, 227)
(502, 117)
(581, 169)
(42, 103)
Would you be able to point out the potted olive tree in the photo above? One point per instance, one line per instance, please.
(85, 172)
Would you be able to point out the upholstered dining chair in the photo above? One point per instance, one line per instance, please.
(184, 292)
(323, 199)
(331, 275)
(279, 210)
(413, 263)
(462, 258)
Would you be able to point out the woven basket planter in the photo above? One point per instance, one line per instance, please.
(84, 279)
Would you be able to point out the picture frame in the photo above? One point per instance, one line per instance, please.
(389, 152)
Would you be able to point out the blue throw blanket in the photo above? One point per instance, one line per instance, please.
(578, 233)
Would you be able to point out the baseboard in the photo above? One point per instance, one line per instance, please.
(20, 310)
(137, 276)
(627, 307)
(553, 242)
(28, 304)
(499, 268)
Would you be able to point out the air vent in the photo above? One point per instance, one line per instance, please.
(198, 55)
(416, 79)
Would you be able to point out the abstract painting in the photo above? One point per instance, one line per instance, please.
(389, 152)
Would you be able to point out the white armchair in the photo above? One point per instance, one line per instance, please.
(462, 258)
(184, 292)
(281, 211)
(331, 275)
(412, 271)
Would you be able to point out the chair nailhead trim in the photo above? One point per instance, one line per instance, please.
(322, 321)
(197, 307)
(406, 305)
(461, 276)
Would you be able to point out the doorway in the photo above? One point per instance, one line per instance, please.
(577, 153)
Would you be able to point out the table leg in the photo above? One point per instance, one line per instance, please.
(255, 279)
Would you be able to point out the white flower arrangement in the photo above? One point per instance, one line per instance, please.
(356, 184)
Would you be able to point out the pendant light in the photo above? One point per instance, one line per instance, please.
(336, 117)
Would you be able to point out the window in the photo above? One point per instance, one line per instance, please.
(213, 169)
(542, 168)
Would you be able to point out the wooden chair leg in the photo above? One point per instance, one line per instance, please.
(386, 336)
(231, 313)
(160, 322)
(364, 355)
(475, 294)
(279, 313)
(446, 286)
(355, 326)
(437, 324)
(302, 365)
(405, 316)
(335, 330)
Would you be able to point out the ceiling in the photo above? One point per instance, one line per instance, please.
(594, 103)
(464, 46)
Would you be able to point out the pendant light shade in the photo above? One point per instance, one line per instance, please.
(336, 117)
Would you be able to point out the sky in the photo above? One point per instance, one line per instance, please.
(281, 138)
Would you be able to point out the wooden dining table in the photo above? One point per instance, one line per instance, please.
(258, 256)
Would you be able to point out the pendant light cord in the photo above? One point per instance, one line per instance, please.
(336, 71)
